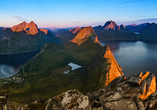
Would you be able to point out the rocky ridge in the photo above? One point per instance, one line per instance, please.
(138, 92)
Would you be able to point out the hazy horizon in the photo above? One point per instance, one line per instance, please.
(76, 13)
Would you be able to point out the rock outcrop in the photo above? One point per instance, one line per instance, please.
(4, 102)
(121, 94)
(71, 99)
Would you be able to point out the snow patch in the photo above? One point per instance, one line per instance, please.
(74, 66)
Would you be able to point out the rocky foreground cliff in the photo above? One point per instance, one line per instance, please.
(138, 92)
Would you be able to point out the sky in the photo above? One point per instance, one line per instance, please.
(74, 13)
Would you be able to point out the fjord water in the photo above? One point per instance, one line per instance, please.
(10, 63)
(134, 57)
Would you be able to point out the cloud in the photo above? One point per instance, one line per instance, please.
(148, 20)
(19, 18)
(15, 16)
(139, 21)
(5, 15)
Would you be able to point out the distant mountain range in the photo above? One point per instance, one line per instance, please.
(24, 37)
(1, 29)
(136, 28)
(111, 31)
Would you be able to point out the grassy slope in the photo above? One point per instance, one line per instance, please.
(44, 76)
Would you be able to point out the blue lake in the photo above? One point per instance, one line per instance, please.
(134, 57)
(10, 64)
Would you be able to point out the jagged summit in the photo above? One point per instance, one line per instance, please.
(29, 28)
(84, 34)
(110, 25)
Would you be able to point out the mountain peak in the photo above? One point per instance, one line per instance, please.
(32, 22)
(110, 25)
(122, 26)
(133, 24)
(29, 28)
(84, 34)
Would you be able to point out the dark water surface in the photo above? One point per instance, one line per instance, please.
(134, 57)
(10, 64)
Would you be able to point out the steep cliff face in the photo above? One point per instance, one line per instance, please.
(114, 69)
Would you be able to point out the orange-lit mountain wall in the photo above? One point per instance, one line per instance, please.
(114, 69)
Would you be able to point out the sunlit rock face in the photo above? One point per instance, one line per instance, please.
(30, 28)
(149, 85)
(44, 30)
(84, 34)
(110, 25)
(141, 86)
(114, 70)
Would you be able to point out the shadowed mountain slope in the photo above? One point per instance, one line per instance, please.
(66, 35)
(25, 37)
